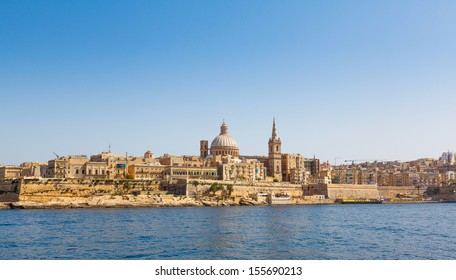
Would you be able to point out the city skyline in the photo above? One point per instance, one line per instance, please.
(344, 80)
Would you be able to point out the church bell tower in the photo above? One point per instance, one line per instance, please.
(275, 155)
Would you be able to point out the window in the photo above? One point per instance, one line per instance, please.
(277, 148)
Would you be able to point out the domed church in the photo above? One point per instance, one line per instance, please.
(223, 144)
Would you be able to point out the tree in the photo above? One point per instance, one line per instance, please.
(418, 187)
(229, 188)
(195, 184)
(213, 188)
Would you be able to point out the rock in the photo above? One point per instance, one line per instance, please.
(209, 203)
(246, 202)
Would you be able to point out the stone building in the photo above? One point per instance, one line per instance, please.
(233, 169)
(293, 168)
(354, 176)
(146, 171)
(106, 165)
(95, 170)
(312, 165)
(67, 167)
(189, 172)
(34, 169)
(10, 172)
(448, 158)
(204, 150)
(170, 160)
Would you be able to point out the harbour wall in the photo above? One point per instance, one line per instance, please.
(243, 189)
(338, 191)
(9, 191)
(43, 190)
(392, 191)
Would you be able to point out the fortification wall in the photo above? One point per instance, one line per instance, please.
(393, 191)
(344, 191)
(43, 190)
(9, 191)
(244, 189)
(353, 191)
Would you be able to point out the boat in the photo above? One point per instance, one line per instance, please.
(358, 201)
(278, 199)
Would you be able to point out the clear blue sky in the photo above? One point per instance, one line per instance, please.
(350, 79)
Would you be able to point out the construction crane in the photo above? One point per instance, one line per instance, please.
(363, 160)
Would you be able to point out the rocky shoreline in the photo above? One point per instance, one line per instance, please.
(141, 201)
(146, 201)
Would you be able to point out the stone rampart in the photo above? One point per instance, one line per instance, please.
(393, 191)
(43, 190)
(244, 189)
(343, 191)
(353, 191)
(9, 191)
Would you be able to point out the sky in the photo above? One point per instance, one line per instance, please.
(357, 80)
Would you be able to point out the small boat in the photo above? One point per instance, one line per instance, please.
(358, 201)
(281, 198)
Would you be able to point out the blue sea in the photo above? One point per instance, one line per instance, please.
(381, 231)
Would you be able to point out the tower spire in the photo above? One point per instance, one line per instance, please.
(274, 134)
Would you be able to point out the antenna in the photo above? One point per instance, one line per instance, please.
(56, 155)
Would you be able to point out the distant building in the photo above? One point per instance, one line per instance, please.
(34, 169)
(10, 172)
(153, 171)
(188, 172)
(67, 167)
(244, 170)
(293, 168)
(448, 158)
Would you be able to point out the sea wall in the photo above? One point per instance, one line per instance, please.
(344, 191)
(9, 191)
(353, 191)
(243, 189)
(43, 190)
(392, 191)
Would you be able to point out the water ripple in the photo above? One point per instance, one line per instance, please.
(416, 231)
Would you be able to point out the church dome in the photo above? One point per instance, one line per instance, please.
(224, 144)
(224, 139)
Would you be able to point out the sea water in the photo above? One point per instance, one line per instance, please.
(381, 231)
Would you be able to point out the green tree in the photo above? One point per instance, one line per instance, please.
(229, 188)
(195, 184)
(213, 188)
